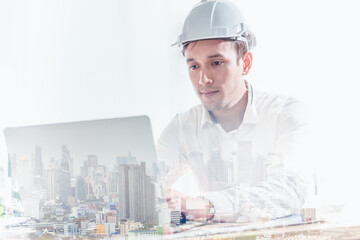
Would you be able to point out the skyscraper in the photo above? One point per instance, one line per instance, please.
(217, 171)
(125, 159)
(37, 169)
(136, 193)
(123, 190)
(65, 175)
(12, 165)
(80, 189)
(114, 180)
(52, 181)
(37, 164)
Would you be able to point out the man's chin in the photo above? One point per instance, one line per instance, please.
(211, 106)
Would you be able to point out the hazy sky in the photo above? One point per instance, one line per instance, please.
(69, 60)
(106, 139)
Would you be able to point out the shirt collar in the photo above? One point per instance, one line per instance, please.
(250, 116)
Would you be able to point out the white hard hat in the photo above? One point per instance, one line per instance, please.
(211, 19)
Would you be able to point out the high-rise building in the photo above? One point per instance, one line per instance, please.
(217, 171)
(65, 175)
(23, 175)
(84, 169)
(113, 181)
(37, 163)
(243, 165)
(80, 189)
(125, 159)
(89, 188)
(12, 163)
(89, 167)
(67, 162)
(150, 196)
(52, 181)
(37, 170)
(58, 178)
(136, 194)
(99, 174)
(92, 161)
(123, 190)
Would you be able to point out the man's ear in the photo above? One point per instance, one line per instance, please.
(247, 60)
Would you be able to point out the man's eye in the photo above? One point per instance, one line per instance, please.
(193, 67)
(217, 63)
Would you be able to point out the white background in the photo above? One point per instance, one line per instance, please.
(75, 60)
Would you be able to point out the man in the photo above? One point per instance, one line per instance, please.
(237, 152)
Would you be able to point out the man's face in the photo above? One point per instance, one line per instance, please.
(215, 73)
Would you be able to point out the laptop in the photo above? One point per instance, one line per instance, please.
(87, 172)
(94, 177)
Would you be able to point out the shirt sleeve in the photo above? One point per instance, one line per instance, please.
(277, 196)
(168, 147)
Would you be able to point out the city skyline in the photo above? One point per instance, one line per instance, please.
(100, 195)
(107, 139)
(32, 176)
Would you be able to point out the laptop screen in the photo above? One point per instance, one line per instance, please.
(86, 170)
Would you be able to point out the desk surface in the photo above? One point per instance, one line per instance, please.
(319, 231)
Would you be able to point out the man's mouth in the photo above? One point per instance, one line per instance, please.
(208, 93)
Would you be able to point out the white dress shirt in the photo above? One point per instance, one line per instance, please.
(248, 173)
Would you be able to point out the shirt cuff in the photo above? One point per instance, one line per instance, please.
(224, 210)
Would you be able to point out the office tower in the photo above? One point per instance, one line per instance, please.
(92, 161)
(114, 180)
(196, 161)
(37, 163)
(73, 187)
(99, 174)
(80, 189)
(9, 167)
(58, 179)
(125, 159)
(155, 171)
(84, 169)
(136, 194)
(12, 163)
(52, 180)
(37, 169)
(243, 165)
(23, 175)
(65, 175)
(217, 171)
(89, 189)
(150, 196)
(89, 166)
(123, 190)
(67, 162)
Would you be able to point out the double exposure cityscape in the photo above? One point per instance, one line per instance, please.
(101, 200)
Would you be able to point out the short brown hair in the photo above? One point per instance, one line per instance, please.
(239, 46)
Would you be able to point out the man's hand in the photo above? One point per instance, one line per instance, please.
(195, 209)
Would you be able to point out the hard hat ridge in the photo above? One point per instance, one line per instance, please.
(212, 19)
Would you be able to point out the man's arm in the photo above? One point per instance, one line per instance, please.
(278, 195)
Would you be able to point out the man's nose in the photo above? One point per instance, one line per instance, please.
(205, 78)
